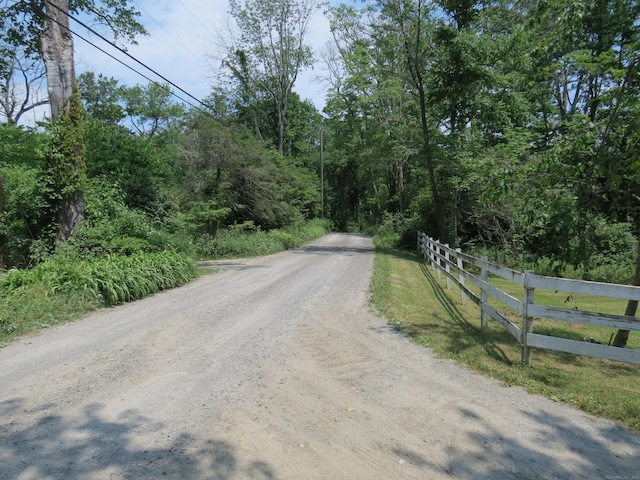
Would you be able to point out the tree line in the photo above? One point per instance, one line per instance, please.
(503, 125)
(510, 126)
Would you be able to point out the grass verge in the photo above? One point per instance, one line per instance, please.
(66, 287)
(63, 288)
(415, 300)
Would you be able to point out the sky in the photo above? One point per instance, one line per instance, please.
(182, 38)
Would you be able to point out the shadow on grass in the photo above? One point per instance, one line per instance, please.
(93, 445)
(461, 334)
(468, 334)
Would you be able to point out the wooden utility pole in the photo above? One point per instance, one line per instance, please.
(3, 237)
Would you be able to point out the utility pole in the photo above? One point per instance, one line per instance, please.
(321, 172)
(3, 238)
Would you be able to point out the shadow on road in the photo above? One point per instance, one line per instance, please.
(54, 446)
(328, 250)
(565, 451)
(495, 457)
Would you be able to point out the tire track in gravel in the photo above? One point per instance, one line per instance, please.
(276, 368)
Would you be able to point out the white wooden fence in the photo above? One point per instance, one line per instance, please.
(454, 264)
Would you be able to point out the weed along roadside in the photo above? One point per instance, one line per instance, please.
(409, 292)
(67, 286)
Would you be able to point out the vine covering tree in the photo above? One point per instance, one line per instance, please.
(41, 28)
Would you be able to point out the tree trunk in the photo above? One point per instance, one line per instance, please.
(428, 157)
(622, 336)
(3, 238)
(282, 113)
(414, 50)
(67, 156)
(57, 53)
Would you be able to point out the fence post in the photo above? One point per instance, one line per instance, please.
(438, 262)
(463, 297)
(447, 267)
(484, 276)
(431, 244)
(527, 321)
(421, 236)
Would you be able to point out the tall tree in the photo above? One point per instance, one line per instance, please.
(67, 155)
(415, 25)
(42, 28)
(271, 50)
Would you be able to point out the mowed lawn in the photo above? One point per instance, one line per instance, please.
(412, 296)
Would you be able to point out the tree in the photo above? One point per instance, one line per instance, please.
(150, 108)
(42, 28)
(23, 77)
(594, 70)
(102, 97)
(67, 155)
(230, 176)
(271, 50)
(413, 19)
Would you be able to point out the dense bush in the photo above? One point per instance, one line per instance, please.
(247, 240)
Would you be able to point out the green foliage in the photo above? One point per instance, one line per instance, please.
(205, 217)
(151, 108)
(141, 167)
(270, 52)
(112, 227)
(66, 156)
(511, 127)
(247, 240)
(224, 168)
(28, 192)
(110, 280)
(21, 146)
(102, 97)
(22, 24)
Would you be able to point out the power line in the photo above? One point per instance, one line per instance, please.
(195, 17)
(123, 52)
(130, 67)
(133, 69)
(167, 31)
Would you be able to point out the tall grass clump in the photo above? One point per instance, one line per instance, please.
(63, 288)
(109, 280)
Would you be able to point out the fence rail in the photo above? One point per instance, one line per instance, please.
(454, 264)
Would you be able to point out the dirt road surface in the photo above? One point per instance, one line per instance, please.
(276, 368)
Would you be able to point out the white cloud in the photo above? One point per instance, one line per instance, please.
(182, 33)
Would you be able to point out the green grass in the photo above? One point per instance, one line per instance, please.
(64, 288)
(410, 294)
(69, 285)
(33, 308)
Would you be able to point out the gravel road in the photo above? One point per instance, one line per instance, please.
(276, 368)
